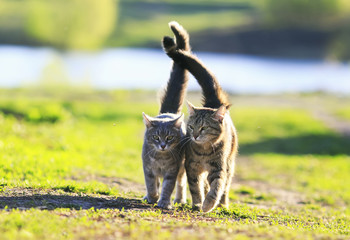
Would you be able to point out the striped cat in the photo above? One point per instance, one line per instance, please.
(210, 154)
(163, 147)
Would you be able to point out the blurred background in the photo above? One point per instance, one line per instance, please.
(265, 46)
(75, 76)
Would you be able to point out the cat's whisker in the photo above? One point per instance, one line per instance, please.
(173, 155)
(151, 151)
(179, 143)
(184, 144)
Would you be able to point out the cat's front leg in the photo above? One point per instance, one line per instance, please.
(217, 187)
(167, 189)
(152, 186)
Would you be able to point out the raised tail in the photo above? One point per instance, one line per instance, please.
(174, 94)
(213, 95)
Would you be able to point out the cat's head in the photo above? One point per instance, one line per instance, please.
(205, 124)
(163, 132)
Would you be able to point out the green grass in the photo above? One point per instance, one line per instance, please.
(286, 131)
(291, 180)
(243, 222)
(343, 113)
(315, 176)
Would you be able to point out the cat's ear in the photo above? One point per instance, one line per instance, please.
(220, 113)
(178, 121)
(147, 120)
(190, 108)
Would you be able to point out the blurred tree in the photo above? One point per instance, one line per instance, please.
(77, 24)
(329, 16)
(300, 13)
(339, 48)
(54, 75)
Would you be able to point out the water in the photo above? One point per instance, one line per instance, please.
(149, 69)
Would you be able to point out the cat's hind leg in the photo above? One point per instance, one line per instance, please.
(224, 201)
(195, 183)
(206, 187)
(180, 195)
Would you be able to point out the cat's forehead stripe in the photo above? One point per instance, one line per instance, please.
(198, 121)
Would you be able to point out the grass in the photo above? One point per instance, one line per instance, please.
(344, 113)
(286, 131)
(314, 176)
(82, 175)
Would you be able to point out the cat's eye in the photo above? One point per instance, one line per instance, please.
(191, 127)
(204, 128)
(155, 137)
(169, 138)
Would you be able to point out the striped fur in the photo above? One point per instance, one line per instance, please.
(211, 151)
(163, 147)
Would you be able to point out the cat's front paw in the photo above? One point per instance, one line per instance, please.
(150, 200)
(197, 207)
(209, 204)
(164, 204)
(180, 201)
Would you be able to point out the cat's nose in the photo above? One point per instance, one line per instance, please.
(162, 145)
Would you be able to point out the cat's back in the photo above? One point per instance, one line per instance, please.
(231, 136)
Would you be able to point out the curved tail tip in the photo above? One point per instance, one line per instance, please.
(174, 24)
(168, 42)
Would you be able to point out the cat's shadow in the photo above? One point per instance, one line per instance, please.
(51, 202)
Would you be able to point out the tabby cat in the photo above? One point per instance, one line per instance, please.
(163, 147)
(210, 154)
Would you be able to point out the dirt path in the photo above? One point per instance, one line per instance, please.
(122, 184)
(280, 197)
(340, 126)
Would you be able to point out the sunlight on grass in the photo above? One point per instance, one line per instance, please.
(344, 113)
(324, 179)
(99, 135)
(255, 124)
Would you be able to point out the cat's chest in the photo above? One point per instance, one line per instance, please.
(160, 165)
(203, 154)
